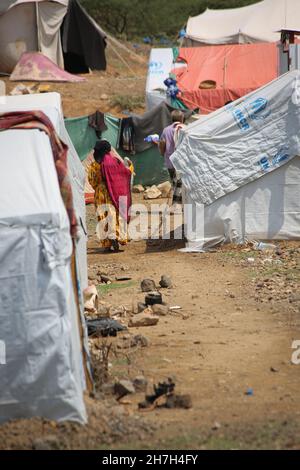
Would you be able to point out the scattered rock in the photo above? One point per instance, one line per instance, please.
(141, 307)
(103, 310)
(140, 383)
(119, 311)
(152, 193)
(139, 340)
(105, 278)
(138, 188)
(152, 298)
(91, 300)
(148, 285)
(165, 188)
(92, 277)
(274, 369)
(145, 318)
(124, 387)
(165, 282)
(103, 97)
(160, 310)
(108, 389)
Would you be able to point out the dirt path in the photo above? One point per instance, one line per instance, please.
(222, 343)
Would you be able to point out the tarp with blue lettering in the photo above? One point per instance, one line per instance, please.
(241, 142)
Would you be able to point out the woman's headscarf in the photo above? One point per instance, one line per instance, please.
(102, 147)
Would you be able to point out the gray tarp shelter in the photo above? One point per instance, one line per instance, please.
(43, 372)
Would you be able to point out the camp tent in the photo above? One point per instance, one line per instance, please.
(44, 370)
(235, 70)
(240, 168)
(260, 22)
(27, 26)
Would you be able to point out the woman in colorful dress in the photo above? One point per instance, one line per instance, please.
(111, 178)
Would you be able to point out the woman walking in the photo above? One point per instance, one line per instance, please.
(110, 178)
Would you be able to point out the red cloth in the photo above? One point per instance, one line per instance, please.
(237, 70)
(117, 177)
(38, 120)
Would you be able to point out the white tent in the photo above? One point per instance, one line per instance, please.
(43, 373)
(260, 22)
(240, 168)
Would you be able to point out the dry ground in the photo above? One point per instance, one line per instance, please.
(230, 334)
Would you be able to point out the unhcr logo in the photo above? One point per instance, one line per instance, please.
(2, 353)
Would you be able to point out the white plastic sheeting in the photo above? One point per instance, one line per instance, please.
(239, 163)
(266, 209)
(43, 374)
(260, 22)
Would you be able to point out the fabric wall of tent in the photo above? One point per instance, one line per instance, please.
(41, 310)
(59, 29)
(231, 71)
(240, 168)
(260, 22)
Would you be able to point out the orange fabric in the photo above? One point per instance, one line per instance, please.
(237, 69)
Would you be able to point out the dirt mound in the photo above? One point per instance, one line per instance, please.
(109, 423)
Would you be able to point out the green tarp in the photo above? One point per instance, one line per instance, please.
(82, 135)
(149, 165)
